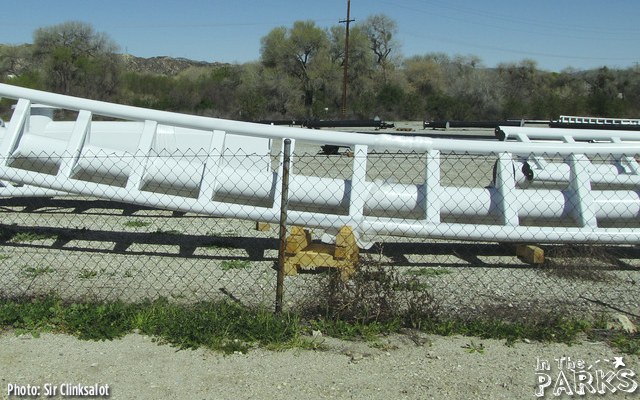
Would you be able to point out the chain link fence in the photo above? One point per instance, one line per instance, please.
(83, 247)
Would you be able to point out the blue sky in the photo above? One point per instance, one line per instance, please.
(556, 34)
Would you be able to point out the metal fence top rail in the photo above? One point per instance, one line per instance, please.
(380, 142)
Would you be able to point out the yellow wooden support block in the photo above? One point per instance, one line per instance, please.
(346, 246)
(530, 254)
(298, 240)
(302, 254)
(263, 226)
(290, 268)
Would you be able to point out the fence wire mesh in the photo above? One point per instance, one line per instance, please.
(84, 246)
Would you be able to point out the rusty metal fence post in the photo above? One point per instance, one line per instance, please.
(284, 204)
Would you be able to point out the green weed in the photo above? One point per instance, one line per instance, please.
(230, 327)
(87, 274)
(627, 342)
(36, 271)
(235, 264)
(220, 326)
(26, 237)
(474, 348)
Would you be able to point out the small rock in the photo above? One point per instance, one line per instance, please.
(627, 325)
(316, 334)
(527, 341)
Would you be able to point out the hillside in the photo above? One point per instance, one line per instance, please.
(162, 65)
(15, 60)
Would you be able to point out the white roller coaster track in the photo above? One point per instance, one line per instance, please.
(222, 168)
(609, 170)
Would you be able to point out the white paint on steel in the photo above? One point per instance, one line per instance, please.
(622, 171)
(223, 168)
(598, 120)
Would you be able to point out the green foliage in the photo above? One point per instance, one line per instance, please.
(36, 271)
(76, 60)
(87, 274)
(219, 326)
(627, 342)
(29, 237)
(136, 223)
(299, 76)
(230, 327)
(97, 321)
(235, 264)
(474, 348)
(223, 326)
(353, 329)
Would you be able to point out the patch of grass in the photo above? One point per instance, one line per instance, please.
(220, 326)
(229, 327)
(136, 223)
(545, 328)
(217, 247)
(96, 321)
(235, 264)
(36, 271)
(474, 348)
(354, 330)
(87, 274)
(226, 233)
(627, 342)
(26, 237)
(30, 315)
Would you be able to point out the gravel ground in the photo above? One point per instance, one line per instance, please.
(407, 366)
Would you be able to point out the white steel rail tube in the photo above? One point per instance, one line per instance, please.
(512, 132)
(374, 142)
(207, 183)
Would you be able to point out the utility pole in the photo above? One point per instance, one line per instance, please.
(346, 59)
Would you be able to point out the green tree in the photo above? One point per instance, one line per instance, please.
(380, 30)
(361, 70)
(14, 59)
(301, 52)
(77, 60)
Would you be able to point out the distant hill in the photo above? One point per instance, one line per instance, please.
(19, 60)
(162, 65)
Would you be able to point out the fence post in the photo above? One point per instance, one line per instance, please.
(284, 205)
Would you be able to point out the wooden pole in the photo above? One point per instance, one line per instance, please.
(346, 59)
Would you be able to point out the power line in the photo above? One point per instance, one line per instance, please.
(547, 26)
(525, 52)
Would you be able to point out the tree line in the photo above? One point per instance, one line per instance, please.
(299, 76)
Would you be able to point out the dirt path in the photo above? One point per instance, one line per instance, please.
(399, 367)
